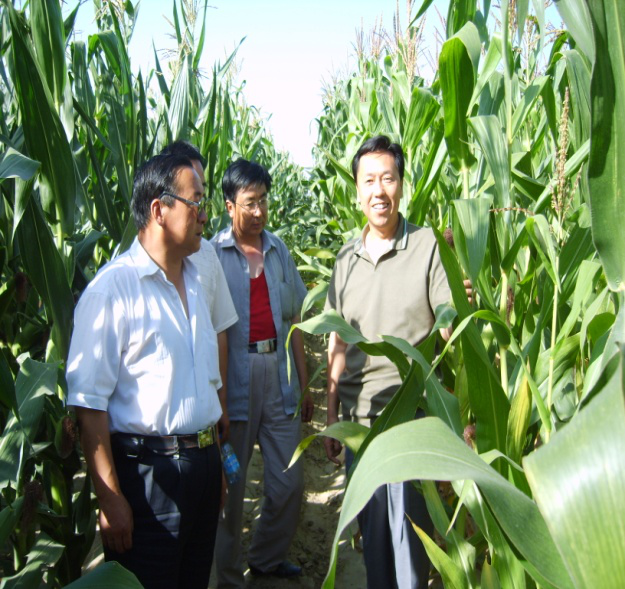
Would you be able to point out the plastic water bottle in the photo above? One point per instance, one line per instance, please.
(230, 463)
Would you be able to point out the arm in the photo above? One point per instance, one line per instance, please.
(336, 366)
(224, 421)
(299, 357)
(116, 523)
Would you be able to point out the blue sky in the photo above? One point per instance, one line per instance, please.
(291, 48)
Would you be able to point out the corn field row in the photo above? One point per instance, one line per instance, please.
(512, 157)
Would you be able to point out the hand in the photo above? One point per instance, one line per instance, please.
(468, 287)
(307, 408)
(223, 426)
(116, 523)
(333, 447)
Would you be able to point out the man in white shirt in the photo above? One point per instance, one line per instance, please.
(143, 374)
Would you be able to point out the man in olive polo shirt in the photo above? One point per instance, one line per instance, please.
(387, 281)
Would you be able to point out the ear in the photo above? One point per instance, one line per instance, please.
(230, 206)
(157, 211)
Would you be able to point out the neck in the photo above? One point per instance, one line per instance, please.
(168, 262)
(384, 233)
(254, 242)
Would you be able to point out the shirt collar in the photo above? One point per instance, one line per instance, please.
(398, 242)
(146, 266)
(228, 239)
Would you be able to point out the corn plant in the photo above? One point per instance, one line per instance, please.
(76, 122)
(520, 161)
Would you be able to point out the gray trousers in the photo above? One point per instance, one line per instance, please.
(278, 435)
(394, 555)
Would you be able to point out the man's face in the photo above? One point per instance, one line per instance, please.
(249, 214)
(379, 191)
(184, 222)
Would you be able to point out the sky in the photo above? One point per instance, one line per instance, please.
(292, 48)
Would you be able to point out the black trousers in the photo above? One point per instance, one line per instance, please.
(175, 505)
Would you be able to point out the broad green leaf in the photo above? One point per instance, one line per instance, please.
(7, 386)
(576, 16)
(607, 154)
(491, 62)
(105, 576)
(9, 518)
(451, 574)
(530, 96)
(16, 165)
(540, 232)
(489, 135)
(457, 77)
(47, 273)
(178, 112)
(488, 401)
(49, 42)
(43, 131)
(423, 110)
(579, 484)
(473, 217)
(44, 553)
(427, 449)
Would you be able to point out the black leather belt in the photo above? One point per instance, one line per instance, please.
(167, 445)
(263, 347)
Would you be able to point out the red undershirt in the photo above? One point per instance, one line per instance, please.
(261, 319)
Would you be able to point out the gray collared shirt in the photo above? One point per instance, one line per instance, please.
(286, 295)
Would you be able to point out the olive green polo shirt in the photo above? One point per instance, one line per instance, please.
(397, 296)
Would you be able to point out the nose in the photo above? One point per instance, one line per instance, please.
(202, 216)
(377, 188)
(257, 212)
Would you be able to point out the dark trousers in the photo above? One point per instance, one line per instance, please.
(394, 555)
(175, 506)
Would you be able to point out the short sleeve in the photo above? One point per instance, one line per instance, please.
(439, 292)
(98, 340)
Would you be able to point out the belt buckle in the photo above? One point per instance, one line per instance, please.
(206, 437)
(264, 347)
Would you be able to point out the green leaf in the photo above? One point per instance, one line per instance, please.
(47, 273)
(576, 16)
(43, 131)
(16, 165)
(539, 231)
(349, 433)
(105, 576)
(49, 41)
(457, 77)
(425, 449)
(473, 217)
(607, 151)
(489, 135)
(579, 484)
(43, 554)
(519, 420)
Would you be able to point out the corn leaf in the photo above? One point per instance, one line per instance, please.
(607, 155)
(427, 449)
(578, 481)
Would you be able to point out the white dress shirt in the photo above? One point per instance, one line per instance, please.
(136, 354)
(213, 280)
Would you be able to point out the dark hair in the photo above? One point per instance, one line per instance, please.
(186, 149)
(241, 175)
(159, 174)
(380, 144)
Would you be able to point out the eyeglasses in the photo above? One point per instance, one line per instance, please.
(252, 207)
(200, 205)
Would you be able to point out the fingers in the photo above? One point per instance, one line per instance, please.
(333, 449)
(116, 524)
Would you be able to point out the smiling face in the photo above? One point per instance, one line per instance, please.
(185, 223)
(379, 191)
(249, 214)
